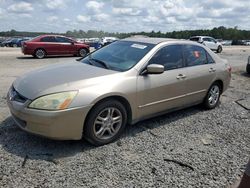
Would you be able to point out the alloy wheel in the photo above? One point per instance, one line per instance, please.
(82, 52)
(40, 53)
(108, 123)
(214, 95)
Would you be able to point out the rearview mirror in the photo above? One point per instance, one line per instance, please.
(154, 69)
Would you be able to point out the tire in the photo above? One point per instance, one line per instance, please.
(99, 128)
(213, 96)
(248, 66)
(82, 52)
(40, 53)
(219, 50)
(15, 45)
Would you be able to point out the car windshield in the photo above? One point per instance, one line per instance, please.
(119, 56)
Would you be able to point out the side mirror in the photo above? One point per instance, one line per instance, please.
(154, 69)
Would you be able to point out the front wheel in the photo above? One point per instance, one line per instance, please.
(219, 50)
(105, 123)
(83, 52)
(213, 96)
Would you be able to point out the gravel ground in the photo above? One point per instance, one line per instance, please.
(189, 148)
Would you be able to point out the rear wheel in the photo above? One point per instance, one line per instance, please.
(83, 52)
(213, 96)
(219, 50)
(40, 53)
(105, 123)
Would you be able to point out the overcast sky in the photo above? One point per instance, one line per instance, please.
(122, 15)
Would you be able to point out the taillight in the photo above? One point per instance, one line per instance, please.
(229, 68)
(24, 44)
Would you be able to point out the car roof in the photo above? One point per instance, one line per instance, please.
(201, 37)
(150, 40)
(53, 36)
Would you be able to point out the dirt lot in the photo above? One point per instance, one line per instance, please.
(213, 145)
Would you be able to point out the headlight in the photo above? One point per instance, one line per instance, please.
(57, 101)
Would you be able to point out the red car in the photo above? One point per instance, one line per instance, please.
(44, 45)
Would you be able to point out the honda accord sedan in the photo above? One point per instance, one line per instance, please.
(46, 45)
(122, 83)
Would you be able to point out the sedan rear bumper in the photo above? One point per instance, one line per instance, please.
(59, 125)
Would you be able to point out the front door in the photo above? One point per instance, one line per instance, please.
(65, 46)
(160, 92)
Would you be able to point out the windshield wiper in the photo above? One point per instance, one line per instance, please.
(79, 59)
(100, 62)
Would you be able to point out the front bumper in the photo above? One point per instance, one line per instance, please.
(60, 125)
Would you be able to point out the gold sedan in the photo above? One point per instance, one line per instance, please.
(119, 84)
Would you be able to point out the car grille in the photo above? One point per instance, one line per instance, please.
(15, 96)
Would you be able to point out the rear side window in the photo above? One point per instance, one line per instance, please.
(170, 57)
(195, 55)
(48, 39)
(210, 60)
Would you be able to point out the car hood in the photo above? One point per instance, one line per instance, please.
(58, 78)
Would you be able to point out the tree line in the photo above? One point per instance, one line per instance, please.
(217, 32)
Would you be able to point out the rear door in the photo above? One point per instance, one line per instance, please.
(201, 72)
(159, 92)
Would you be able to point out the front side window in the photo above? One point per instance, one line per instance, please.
(169, 56)
(207, 39)
(194, 55)
(48, 39)
(63, 40)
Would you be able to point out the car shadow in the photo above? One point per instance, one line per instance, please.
(245, 74)
(47, 57)
(25, 145)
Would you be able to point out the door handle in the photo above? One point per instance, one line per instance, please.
(212, 70)
(181, 76)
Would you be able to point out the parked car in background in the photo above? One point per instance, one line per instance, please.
(6, 42)
(93, 42)
(248, 65)
(209, 42)
(16, 42)
(123, 83)
(247, 42)
(46, 45)
(108, 40)
(1, 40)
(226, 42)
